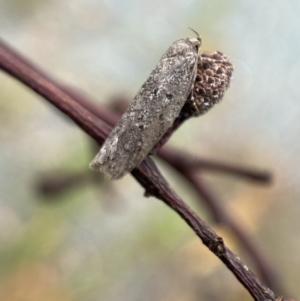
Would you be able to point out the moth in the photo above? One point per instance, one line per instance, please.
(182, 78)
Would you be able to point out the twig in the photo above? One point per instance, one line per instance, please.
(146, 174)
(263, 266)
(193, 164)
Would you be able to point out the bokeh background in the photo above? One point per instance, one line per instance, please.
(103, 240)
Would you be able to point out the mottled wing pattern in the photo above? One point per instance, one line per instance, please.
(151, 113)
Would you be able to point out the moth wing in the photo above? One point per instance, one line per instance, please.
(151, 113)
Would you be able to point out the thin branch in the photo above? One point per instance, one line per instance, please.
(263, 266)
(194, 164)
(146, 174)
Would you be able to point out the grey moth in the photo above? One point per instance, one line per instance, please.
(182, 76)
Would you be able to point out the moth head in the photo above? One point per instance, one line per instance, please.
(214, 72)
(196, 41)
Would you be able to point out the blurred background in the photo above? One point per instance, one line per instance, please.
(101, 240)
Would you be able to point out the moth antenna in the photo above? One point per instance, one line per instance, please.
(198, 36)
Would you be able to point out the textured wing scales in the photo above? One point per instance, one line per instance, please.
(151, 113)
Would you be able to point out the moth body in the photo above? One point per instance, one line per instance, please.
(152, 112)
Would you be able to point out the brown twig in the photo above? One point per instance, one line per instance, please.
(146, 174)
(192, 164)
(263, 266)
